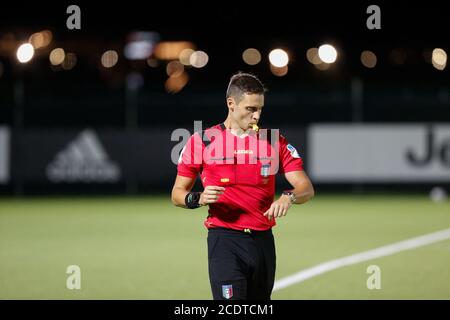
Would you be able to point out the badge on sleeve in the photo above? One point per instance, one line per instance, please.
(293, 151)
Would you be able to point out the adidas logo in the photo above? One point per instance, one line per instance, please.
(83, 160)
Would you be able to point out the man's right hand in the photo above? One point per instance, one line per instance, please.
(211, 194)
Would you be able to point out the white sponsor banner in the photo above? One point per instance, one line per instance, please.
(4, 155)
(379, 153)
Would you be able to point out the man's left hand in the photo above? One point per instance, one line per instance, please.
(279, 208)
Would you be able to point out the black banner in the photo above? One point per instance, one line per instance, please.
(96, 160)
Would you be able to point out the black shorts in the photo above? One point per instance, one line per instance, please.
(241, 264)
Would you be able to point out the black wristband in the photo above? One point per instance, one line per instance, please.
(192, 200)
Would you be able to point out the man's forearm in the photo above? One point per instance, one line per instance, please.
(178, 196)
(303, 193)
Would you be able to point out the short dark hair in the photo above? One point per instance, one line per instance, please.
(241, 83)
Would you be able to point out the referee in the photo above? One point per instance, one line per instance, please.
(237, 164)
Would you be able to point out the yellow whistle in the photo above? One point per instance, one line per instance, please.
(255, 127)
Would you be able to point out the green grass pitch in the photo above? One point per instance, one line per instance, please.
(145, 248)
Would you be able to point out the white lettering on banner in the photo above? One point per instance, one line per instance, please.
(83, 160)
(439, 150)
(4, 155)
(379, 153)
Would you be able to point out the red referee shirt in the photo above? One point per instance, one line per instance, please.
(246, 167)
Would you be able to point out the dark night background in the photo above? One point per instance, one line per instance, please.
(86, 96)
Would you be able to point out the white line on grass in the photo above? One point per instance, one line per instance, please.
(360, 257)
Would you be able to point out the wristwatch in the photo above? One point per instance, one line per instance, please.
(290, 194)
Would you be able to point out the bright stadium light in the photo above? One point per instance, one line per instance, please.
(278, 58)
(199, 59)
(439, 58)
(57, 56)
(185, 56)
(171, 50)
(140, 45)
(174, 69)
(176, 84)
(327, 53)
(279, 72)
(313, 56)
(40, 39)
(25, 53)
(251, 56)
(138, 50)
(368, 59)
(109, 58)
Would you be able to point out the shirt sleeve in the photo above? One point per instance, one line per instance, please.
(290, 159)
(191, 157)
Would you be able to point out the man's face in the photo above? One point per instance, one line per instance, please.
(248, 111)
